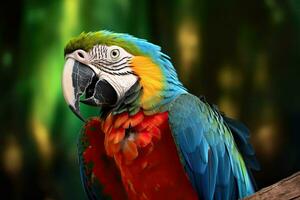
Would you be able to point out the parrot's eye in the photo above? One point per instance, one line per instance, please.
(115, 53)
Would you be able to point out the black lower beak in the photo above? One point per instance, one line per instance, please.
(80, 79)
(104, 94)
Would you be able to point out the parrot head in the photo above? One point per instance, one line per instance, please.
(117, 72)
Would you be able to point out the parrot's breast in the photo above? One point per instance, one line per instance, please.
(144, 151)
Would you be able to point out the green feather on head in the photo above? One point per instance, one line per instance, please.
(86, 41)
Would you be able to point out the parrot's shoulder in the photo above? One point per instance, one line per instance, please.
(187, 102)
(186, 97)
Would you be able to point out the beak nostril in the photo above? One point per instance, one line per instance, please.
(80, 54)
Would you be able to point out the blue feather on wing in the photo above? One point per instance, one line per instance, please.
(206, 144)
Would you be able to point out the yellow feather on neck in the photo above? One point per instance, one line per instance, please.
(151, 79)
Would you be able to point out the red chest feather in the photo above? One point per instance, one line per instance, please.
(144, 153)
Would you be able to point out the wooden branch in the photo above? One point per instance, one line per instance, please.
(286, 189)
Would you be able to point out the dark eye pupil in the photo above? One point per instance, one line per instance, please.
(114, 53)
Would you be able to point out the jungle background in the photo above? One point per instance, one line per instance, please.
(242, 55)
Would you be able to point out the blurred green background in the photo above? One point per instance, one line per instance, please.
(242, 55)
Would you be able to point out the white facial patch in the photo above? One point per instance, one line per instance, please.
(111, 63)
(120, 83)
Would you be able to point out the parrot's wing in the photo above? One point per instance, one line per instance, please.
(208, 151)
(88, 188)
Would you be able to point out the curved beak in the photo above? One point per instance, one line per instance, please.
(79, 79)
(76, 78)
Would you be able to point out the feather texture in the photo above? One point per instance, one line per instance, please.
(209, 153)
(213, 149)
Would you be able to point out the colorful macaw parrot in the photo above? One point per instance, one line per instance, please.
(152, 139)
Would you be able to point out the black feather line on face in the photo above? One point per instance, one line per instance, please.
(111, 68)
(105, 52)
(118, 73)
(107, 62)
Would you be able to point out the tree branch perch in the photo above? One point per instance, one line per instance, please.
(286, 189)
